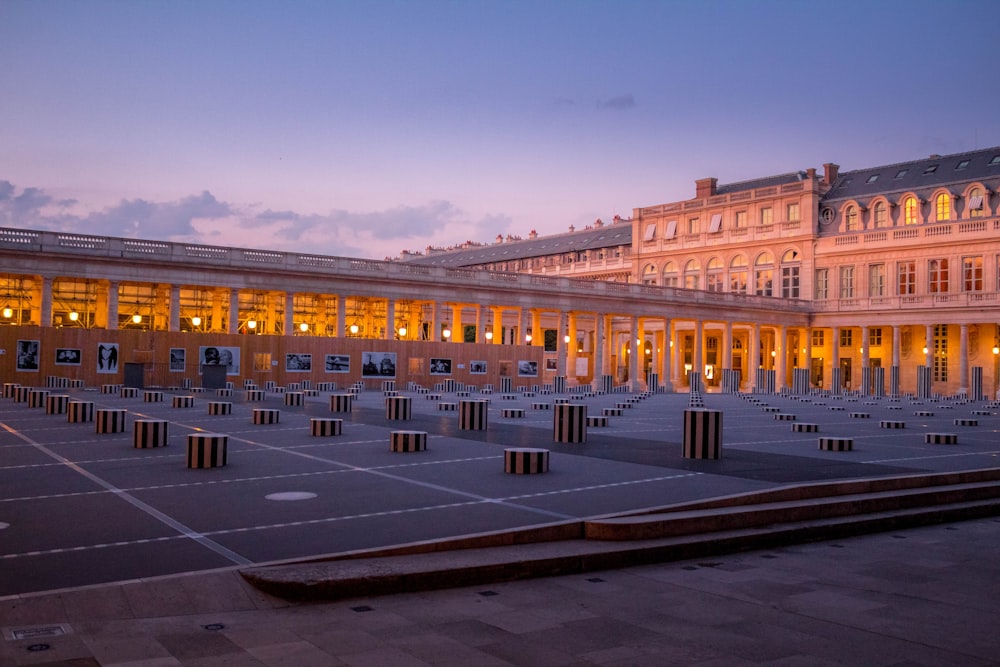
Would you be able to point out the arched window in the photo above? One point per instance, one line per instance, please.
(764, 274)
(851, 219)
(738, 275)
(910, 211)
(790, 274)
(976, 203)
(670, 277)
(649, 275)
(881, 215)
(713, 275)
(692, 274)
(942, 207)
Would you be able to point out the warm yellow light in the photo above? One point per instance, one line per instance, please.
(925, 350)
(402, 331)
(354, 328)
(774, 353)
(996, 349)
(303, 327)
(74, 316)
(527, 338)
(446, 333)
(8, 312)
(196, 321)
(566, 338)
(252, 324)
(137, 318)
(489, 335)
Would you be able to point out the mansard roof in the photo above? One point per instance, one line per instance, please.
(765, 182)
(920, 176)
(607, 236)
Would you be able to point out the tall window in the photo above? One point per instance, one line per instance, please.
(972, 274)
(881, 215)
(738, 275)
(875, 337)
(906, 277)
(822, 284)
(847, 282)
(942, 207)
(764, 274)
(910, 211)
(792, 212)
(851, 219)
(766, 216)
(790, 275)
(741, 220)
(846, 337)
(649, 275)
(940, 373)
(694, 226)
(937, 276)
(976, 203)
(818, 337)
(692, 274)
(713, 275)
(670, 277)
(876, 280)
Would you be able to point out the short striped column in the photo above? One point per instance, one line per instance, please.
(80, 411)
(111, 388)
(224, 392)
(207, 450)
(326, 386)
(220, 408)
(182, 401)
(152, 397)
(446, 406)
(525, 460)
(702, 434)
(270, 385)
(110, 421)
(266, 415)
(569, 422)
(388, 385)
(597, 421)
(513, 413)
(541, 406)
(325, 426)
(148, 433)
(941, 438)
(473, 415)
(784, 417)
(612, 412)
(408, 441)
(293, 386)
(21, 394)
(10, 389)
(129, 392)
(398, 408)
(966, 422)
(294, 399)
(836, 444)
(860, 415)
(803, 427)
(36, 398)
(506, 385)
(341, 402)
(55, 404)
(891, 423)
(255, 395)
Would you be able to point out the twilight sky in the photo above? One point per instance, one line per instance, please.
(362, 128)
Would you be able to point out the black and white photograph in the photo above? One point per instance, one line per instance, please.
(178, 359)
(298, 363)
(551, 364)
(215, 355)
(527, 368)
(107, 358)
(67, 356)
(477, 367)
(440, 366)
(27, 355)
(378, 364)
(338, 363)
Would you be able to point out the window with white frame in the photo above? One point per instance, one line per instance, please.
(847, 282)
(818, 338)
(792, 212)
(910, 211)
(942, 207)
(851, 221)
(649, 275)
(790, 274)
(738, 275)
(906, 277)
(764, 274)
(766, 216)
(692, 274)
(846, 338)
(694, 227)
(875, 337)
(881, 215)
(822, 283)
(714, 280)
(972, 274)
(670, 277)
(741, 220)
(937, 276)
(876, 280)
(976, 202)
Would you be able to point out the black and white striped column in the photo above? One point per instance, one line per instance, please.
(835, 388)
(207, 450)
(894, 381)
(878, 382)
(408, 441)
(397, 408)
(341, 402)
(702, 434)
(37, 398)
(569, 422)
(218, 408)
(266, 416)
(923, 381)
(473, 415)
(294, 399)
(80, 411)
(56, 404)
(110, 421)
(525, 460)
(147, 433)
(325, 426)
(976, 387)
(800, 381)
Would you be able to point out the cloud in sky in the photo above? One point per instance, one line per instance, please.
(619, 102)
(203, 218)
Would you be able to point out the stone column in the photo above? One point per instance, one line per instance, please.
(45, 314)
(666, 358)
(571, 349)
(598, 351)
(390, 319)
(929, 344)
(562, 345)
(963, 359)
(175, 308)
(753, 356)
(480, 323)
(234, 310)
(112, 322)
(633, 354)
(781, 347)
(697, 356)
(288, 317)
(340, 328)
(727, 346)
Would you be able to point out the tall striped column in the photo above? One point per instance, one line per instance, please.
(923, 381)
(894, 381)
(976, 387)
(800, 381)
(559, 384)
(569, 422)
(878, 382)
(702, 434)
(506, 385)
(473, 415)
(866, 381)
(652, 381)
(835, 379)
(607, 383)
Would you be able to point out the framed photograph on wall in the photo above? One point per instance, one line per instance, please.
(440, 366)
(67, 356)
(378, 364)
(217, 355)
(477, 367)
(298, 363)
(107, 357)
(27, 355)
(527, 369)
(338, 363)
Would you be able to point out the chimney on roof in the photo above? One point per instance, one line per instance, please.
(499, 238)
(705, 187)
(811, 173)
(572, 228)
(830, 172)
(532, 234)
